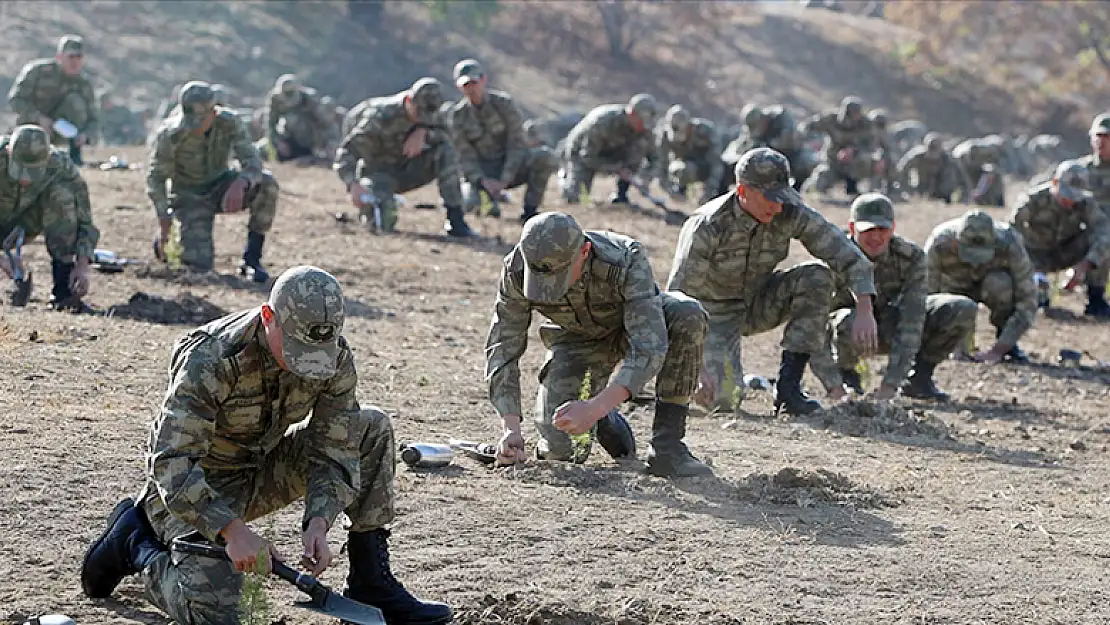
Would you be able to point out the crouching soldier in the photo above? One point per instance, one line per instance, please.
(222, 453)
(603, 308)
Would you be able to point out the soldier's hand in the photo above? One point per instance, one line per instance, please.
(510, 449)
(317, 555)
(493, 187)
(356, 191)
(233, 197)
(706, 393)
(247, 550)
(1078, 275)
(415, 143)
(575, 417)
(79, 278)
(837, 393)
(865, 332)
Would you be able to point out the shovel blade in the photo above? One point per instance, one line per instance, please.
(339, 607)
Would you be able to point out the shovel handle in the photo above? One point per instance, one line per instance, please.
(306, 583)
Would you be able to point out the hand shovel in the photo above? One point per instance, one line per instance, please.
(323, 599)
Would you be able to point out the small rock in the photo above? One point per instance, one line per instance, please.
(34, 336)
(1078, 445)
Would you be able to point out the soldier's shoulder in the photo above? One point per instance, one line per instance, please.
(228, 335)
(499, 97)
(604, 111)
(38, 65)
(1037, 193)
(916, 151)
(943, 233)
(715, 210)
(1008, 234)
(904, 248)
(612, 247)
(227, 117)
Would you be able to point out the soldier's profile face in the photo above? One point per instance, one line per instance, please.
(1101, 143)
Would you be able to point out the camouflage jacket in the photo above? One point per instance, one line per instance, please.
(932, 172)
(229, 404)
(724, 256)
(702, 146)
(1046, 225)
(616, 294)
(605, 136)
(860, 135)
(192, 162)
(42, 86)
(305, 120)
(977, 152)
(377, 137)
(949, 274)
(901, 283)
(1099, 173)
(490, 132)
(63, 184)
(780, 133)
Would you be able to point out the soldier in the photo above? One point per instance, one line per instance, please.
(48, 90)
(603, 308)
(938, 173)
(907, 134)
(488, 132)
(884, 175)
(726, 258)
(191, 150)
(849, 147)
(119, 125)
(687, 150)
(612, 138)
(399, 143)
(919, 331)
(981, 159)
(219, 457)
(975, 257)
(1063, 227)
(41, 191)
(297, 126)
(1098, 161)
(769, 127)
(169, 106)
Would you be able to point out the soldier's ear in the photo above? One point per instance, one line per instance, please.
(267, 315)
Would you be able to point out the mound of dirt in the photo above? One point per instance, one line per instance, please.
(515, 609)
(562, 474)
(185, 309)
(793, 486)
(879, 419)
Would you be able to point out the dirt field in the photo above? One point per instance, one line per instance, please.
(991, 509)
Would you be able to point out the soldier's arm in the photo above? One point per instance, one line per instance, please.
(644, 325)
(506, 343)
(468, 155)
(75, 185)
(1025, 293)
(250, 162)
(934, 265)
(334, 434)
(589, 150)
(1098, 225)
(693, 256)
(659, 159)
(716, 165)
(637, 151)
(515, 150)
(272, 119)
(160, 170)
(911, 323)
(905, 165)
(92, 123)
(829, 243)
(1022, 213)
(357, 150)
(21, 94)
(182, 436)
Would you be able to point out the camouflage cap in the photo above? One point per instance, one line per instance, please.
(768, 172)
(287, 84)
(851, 105)
(872, 210)
(308, 302)
(1073, 181)
(678, 118)
(933, 142)
(549, 243)
(427, 95)
(646, 106)
(28, 153)
(71, 45)
(467, 71)
(197, 100)
(1101, 125)
(975, 240)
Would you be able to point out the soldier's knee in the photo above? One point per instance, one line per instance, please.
(555, 446)
(815, 277)
(998, 287)
(686, 318)
(376, 421)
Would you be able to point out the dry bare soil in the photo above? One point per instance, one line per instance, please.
(991, 509)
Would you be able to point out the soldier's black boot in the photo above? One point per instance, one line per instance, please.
(615, 436)
(252, 258)
(61, 296)
(75, 154)
(852, 380)
(528, 213)
(371, 582)
(1096, 301)
(1016, 353)
(456, 225)
(920, 384)
(621, 195)
(851, 187)
(788, 388)
(125, 548)
(668, 456)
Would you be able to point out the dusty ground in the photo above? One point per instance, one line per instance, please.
(989, 510)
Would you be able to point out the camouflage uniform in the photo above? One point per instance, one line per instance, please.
(884, 176)
(294, 117)
(197, 167)
(120, 125)
(769, 127)
(42, 89)
(239, 437)
(490, 141)
(687, 151)
(614, 314)
(917, 330)
(54, 204)
(908, 134)
(938, 174)
(727, 260)
(981, 160)
(1058, 237)
(849, 147)
(605, 141)
(975, 257)
(1098, 170)
(373, 149)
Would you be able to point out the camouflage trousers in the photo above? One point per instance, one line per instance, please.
(990, 190)
(196, 210)
(205, 591)
(570, 357)
(948, 319)
(996, 292)
(438, 163)
(1067, 255)
(55, 215)
(937, 184)
(830, 172)
(538, 167)
(799, 297)
(576, 177)
(72, 108)
(683, 173)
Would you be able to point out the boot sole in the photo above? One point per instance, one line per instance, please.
(120, 509)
